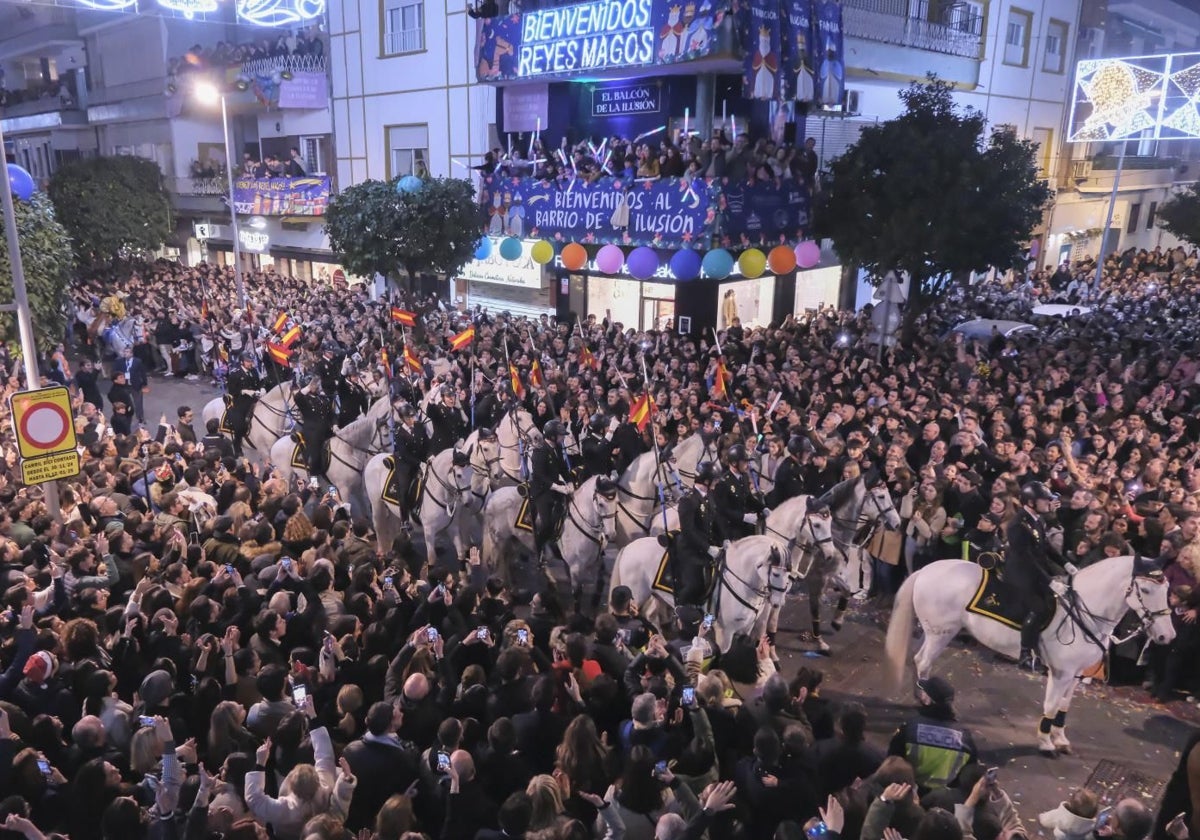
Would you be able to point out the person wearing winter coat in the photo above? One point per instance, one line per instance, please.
(308, 790)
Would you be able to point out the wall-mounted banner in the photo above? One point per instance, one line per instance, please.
(796, 55)
(304, 90)
(281, 196)
(595, 36)
(758, 25)
(667, 213)
(625, 99)
(827, 48)
(526, 107)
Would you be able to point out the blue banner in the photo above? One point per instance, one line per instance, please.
(593, 37)
(796, 55)
(281, 196)
(828, 52)
(758, 24)
(625, 99)
(666, 213)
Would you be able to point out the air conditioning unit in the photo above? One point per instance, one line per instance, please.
(853, 99)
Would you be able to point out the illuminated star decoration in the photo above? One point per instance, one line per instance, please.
(1121, 95)
(279, 12)
(1186, 118)
(189, 8)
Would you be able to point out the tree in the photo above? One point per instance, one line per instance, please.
(929, 193)
(48, 262)
(1179, 215)
(112, 205)
(374, 228)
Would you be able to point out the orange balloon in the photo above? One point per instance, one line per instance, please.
(781, 259)
(574, 256)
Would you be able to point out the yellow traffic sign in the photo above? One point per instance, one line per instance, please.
(42, 422)
(50, 467)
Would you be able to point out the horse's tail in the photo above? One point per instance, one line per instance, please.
(900, 632)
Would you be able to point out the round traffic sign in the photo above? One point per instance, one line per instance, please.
(45, 425)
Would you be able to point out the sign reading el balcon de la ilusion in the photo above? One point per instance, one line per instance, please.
(637, 98)
(596, 36)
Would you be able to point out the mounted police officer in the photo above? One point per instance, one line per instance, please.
(789, 476)
(1031, 565)
(448, 419)
(329, 367)
(317, 418)
(693, 546)
(245, 386)
(411, 448)
(549, 483)
(596, 448)
(738, 505)
(353, 399)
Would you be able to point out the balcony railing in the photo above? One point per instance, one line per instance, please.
(404, 41)
(279, 63)
(907, 23)
(217, 186)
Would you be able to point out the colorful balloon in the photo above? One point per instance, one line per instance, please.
(409, 184)
(484, 249)
(752, 263)
(510, 248)
(685, 264)
(574, 256)
(542, 251)
(781, 259)
(642, 263)
(21, 182)
(609, 259)
(808, 254)
(717, 264)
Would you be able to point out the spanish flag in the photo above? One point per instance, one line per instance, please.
(463, 339)
(204, 310)
(280, 354)
(412, 361)
(518, 386)
(535, 374)
(387, 362)
(588, 359)
(403, 316)
(289, 338)
(222, 353)
(641, 412)
(280, 323)
(720, 389)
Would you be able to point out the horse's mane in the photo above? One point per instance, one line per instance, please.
(840, 493)
(364, 426)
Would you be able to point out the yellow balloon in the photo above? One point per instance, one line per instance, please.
(752, 263)
(542, 252)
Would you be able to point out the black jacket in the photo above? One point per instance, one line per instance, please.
(382, 769)
(1030, 561)
(696, 524)
(549, 468)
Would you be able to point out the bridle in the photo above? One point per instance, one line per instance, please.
(453, 491)
(1145, 615)
(807, 549)
(523, 445)
(709, 449)
(663, 475)
(592, 529)
(863, 518)
(482, 464)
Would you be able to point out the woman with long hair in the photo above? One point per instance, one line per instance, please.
(546, 804)
(586, 762)
(309, 789)
(925, 526)
(227, 733)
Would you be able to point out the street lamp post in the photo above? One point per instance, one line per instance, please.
(209, 93)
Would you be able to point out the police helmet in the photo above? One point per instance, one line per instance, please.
(407, 410)
(737, 454)
(799, 445)
(555, 429)
(705, 473)
(1036, 491)
(598, 424)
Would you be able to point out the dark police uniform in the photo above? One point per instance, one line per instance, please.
(1029, 565)
(596, 454)
(353, 401)
(239, 384)
(317, 416)
(549, 467)
(696, 527)
(411, 450)
(789, 481)
(449, 425)
(733, 498)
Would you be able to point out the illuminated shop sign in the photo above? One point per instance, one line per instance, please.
(590, 36)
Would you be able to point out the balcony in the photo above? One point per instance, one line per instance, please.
(1140, 172)
(270, 65)
(404, 41)
(204, 196)
(915, 23)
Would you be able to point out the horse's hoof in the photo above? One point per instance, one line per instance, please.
(1044, 753)
(1063, 749)
(823, 647)
(836, 624)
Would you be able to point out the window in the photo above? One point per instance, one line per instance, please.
(403, 26)
(1150, 215)
(966, 17)
(314, 157)
(1016, 37)
(1043, 137)
(408, 150)
(1055, 60)
(1135, 210)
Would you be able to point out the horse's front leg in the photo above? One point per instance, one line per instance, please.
(1059, 685)
(1058, 726)
(816, 588)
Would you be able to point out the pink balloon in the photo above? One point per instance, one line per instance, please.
(808, 254)
(609, 259)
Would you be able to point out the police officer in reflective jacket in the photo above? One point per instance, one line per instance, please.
(411, 449)
(245, 386)
(549, 483)
(317, 417)
(1031, 564)
(738, 506)
(693, 546)
(789, 476)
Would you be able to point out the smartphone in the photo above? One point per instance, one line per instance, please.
(523, 636)
(481, 634)
(299, 694)
(332, 490)
(194, 538)
(991, 774)
(659, 769)
(1104, 817)
(314, 483)
(228, 568)
(45, 767)
(443, 764)
(708, 621)
(73, 535)
(440, 590)
(817, 830)
(286, 562)
(689, 696)
(145, 720)
(432, 635)
(387, 581)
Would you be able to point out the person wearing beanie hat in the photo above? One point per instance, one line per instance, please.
(40, 667)
(936, 750)
(41, 691)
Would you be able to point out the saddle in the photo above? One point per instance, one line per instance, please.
(223, 426)
(526, 519)
(999, 601)
(664, 577)
(406, 498)
(300, 461)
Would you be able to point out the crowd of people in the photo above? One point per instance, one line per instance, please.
(193, 647)
(305, 42)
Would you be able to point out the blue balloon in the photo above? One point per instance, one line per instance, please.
(409, 184)
(685, 264)
(484, 249)
(642, 263)
(510, 248)
(717, 264)
(21, 182)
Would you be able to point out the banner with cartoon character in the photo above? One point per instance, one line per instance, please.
(667, 212)
(827, 33)
(796, 55)
(568, 40)
(758, 24)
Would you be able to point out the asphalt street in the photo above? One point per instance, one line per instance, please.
(1120, 739)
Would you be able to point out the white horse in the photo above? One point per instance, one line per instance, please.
(349, 450)
(518, 435)
(588, 527)
(690, 453)
(446, 490)
(751, 580)
(639, 503)
(271, 418)
(440, 512)
(938, 595)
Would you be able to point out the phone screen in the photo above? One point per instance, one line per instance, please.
(481, 634)
(523, 636)
(146, 721)
(660, 768)
(431, 634)
(443, 762)
(689, 695)
(387, 581)
(44, 766)
(299, 694)
(708, 621)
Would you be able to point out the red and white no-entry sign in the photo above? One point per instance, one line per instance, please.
(42, 421)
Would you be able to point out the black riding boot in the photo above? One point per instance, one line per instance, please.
(1030, 630)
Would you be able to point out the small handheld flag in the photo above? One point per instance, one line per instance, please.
(281, 354)
(518, 386)
(403, 316)
(535, 374)
(463, 339)
(289, 338)
(280, 323)
(412, 361)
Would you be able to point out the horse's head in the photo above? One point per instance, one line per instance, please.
(1147, 597)
(877, 505)
(485, 457)
(459, 463)
(604, 498)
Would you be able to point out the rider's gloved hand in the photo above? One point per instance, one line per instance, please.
(1072, 569)
(713, 551)
(750, 518)
(561, 488)
(766, 512)
(1058, 586)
